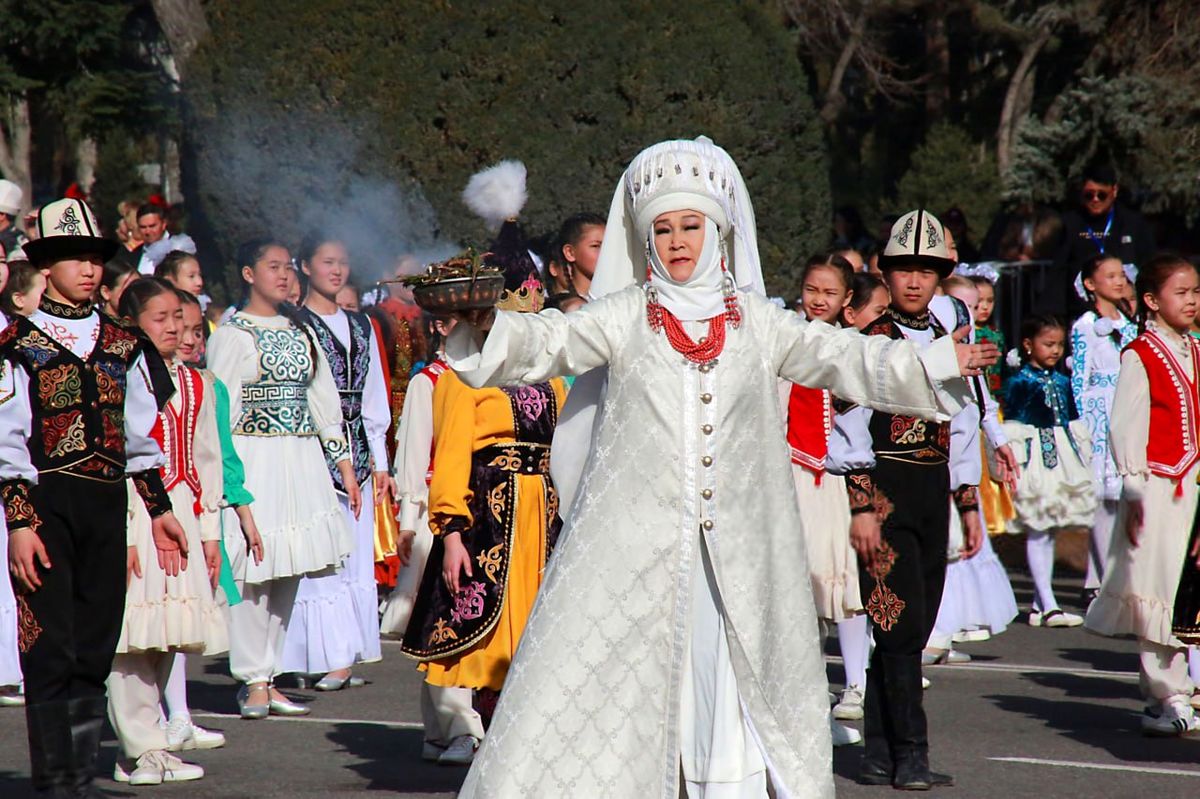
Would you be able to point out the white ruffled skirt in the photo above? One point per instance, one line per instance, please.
(1137, 596)
(170, 614)
(296, 508)
(1058, 494)
(335, 621)
(977, 592)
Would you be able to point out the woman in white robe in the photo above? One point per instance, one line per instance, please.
(675, 630)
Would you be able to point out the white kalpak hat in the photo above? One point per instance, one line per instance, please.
(675, 175)
(919, 239)
(10, 198)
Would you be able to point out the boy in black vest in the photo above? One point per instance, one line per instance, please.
(76, 410)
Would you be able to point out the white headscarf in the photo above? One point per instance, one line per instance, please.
(679, 175)
(698, 297)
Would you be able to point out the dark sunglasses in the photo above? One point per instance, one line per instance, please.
(1096, 195)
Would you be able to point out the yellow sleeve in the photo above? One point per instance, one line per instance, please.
(454, 435)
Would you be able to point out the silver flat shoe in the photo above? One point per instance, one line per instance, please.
(287, 707)
(249, 711)
(328, 683)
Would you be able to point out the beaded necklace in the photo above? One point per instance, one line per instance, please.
(709, 347)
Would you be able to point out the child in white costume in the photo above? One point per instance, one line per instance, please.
(1097, 338)
(1055, 488)
(286, 416)
(10, 660)
(824, 506)
(164, 614)
(1157, 391)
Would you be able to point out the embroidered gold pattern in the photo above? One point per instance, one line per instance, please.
(491, 561)
(442, 632)
(498, 501)
(509, 461)
(63, 433)
(60, 387)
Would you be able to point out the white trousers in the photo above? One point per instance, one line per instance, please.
(1164, 672)
(258, 628)
(719, 754)
(1101, 539)
(448, 713)
(134, 688)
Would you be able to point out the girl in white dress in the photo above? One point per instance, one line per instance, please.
(286, 419)
(824, 507)
(164, 614)
(1097, 339)
(675, 633)
(335, 623)
(1054, 452)
(1156, 391)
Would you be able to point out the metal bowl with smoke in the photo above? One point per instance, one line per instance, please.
(462, 283)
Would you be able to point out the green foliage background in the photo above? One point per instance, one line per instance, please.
(290, 109)
(948, 170)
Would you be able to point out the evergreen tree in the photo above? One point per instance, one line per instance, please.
(302, 109)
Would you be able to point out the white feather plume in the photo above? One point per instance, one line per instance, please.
(497, 193)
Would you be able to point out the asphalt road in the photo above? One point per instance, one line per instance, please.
(1038, 713)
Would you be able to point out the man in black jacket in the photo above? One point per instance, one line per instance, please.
(1100, 225)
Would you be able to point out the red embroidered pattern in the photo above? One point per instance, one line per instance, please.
(28, 628)
(18, 510)
(63, 433)
(883, 606)
(117, 341)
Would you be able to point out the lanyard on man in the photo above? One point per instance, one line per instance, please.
(1100, 238)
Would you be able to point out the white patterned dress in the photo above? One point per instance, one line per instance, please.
(1096, 345)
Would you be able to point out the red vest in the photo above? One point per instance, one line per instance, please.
(809, 423)
(433, 371)
(174, 430)
(1172, 447)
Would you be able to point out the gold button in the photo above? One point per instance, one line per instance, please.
(706, 398)
(707, 429)
(705, 367)
(706, 460)
(708, 525)
(706, 493)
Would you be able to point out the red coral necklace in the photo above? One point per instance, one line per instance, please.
(709, 347)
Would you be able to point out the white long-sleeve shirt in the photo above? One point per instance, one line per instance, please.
(376, 409)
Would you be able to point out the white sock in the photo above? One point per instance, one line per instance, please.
(175, 691)
(1102, 531)
(1039, 551)
(855, 645)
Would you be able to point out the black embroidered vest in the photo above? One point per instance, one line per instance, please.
(907, 438)
(78, 405)
(350, 374)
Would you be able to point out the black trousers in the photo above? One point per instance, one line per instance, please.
(69, 627)
(902, 592)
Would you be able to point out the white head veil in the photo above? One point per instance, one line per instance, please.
(675, 176)
(669, 176)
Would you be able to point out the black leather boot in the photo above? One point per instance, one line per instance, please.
(877, 767)
(902, 687)
(49, 728)
(87, 724)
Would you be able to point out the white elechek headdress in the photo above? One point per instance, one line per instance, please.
(673, 176)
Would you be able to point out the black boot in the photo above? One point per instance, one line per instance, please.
(87, 724)
(877, 767)
(905, 711)
(49, 728)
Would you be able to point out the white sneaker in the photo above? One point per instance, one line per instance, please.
(925, 683)
(184, 734)
(157, 767)
(1171, 720)
(1054, 618)
(460, 752)
(851, 706)
(954, 656)
(843, 735)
